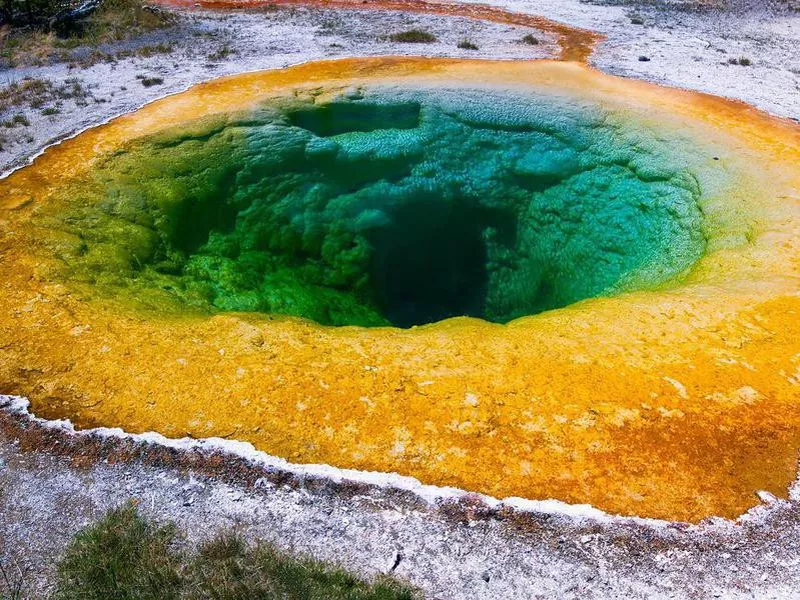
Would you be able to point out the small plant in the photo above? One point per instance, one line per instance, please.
(221, 54)
(467, 45)
(113, 20)
(72, 88)
(413, 36)
(637, 20)
(49, 111)
(151, 81)
(530, 40)
(228, 568)
(742, 61)
(18, 119)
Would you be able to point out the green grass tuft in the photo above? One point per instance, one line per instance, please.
(151, 81)
(18, 119)
(413, 36)
(125, 557)
(121, 557)
(221, 53)
(113, 21)
(227, 568)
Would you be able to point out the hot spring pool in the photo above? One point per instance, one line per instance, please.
(519, 279)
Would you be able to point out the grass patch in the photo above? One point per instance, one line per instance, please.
(27, 91)
(413, 36)
(146, 51)
(742, 61)
(12, 575)
(114, 21)
(123, 557)
(530, 39)
(467, 45)
(221, 54)
(126, 557)
(38, 92)
(119, 20)
(16, 120)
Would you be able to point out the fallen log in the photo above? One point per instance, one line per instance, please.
(69, 19)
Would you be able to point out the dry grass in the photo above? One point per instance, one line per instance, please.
(122, 556)
(38, 92)
(12, 580)
(227, 568)
(119, 20)
(114, 21)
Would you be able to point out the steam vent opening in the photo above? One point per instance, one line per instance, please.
(388, 207)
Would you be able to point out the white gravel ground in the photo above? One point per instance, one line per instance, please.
(689, 48)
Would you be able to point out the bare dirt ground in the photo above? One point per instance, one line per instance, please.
(51, 484)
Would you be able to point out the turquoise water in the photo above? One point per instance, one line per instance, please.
(387, 206)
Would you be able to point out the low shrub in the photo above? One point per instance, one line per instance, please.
(413, 36)
(151, 81)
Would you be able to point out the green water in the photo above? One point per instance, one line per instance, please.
(388, 206)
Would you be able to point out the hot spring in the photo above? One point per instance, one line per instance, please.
(388, 206)
(257, 269)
